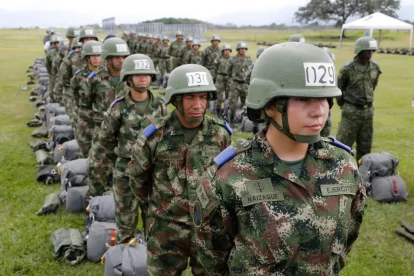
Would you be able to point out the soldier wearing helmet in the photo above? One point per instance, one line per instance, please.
(239, 70)
(185, 51)
(164, 57)
(326, 131)
(150, 46)
(51, 55)
(196, 56)
(358, 80)
(221, 70)
(297, 38)
(91, 52)
(175, 48)
(131, 40)
(288, 202)
(170, 156)
(156, 49)
(126, 116)
(97, 92)
(143, 44)
(125, 36)
(211, 53)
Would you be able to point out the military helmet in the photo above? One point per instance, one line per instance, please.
(87, 32)
(215, 37)
(157, 37)
(76, 32)
(138, 64)
(190, 78)
(125, 32)
(70, 32)
(297, 38)
(144, 35)
(114, 47)
(188, 38)
(330, 54)
(133, 32)
(165, 37)
(226, 47)
(51, 31)
(76, 43)
(260, 51)
(241, 45)
(310, 73)
(91, 48)
(179, 33)
(63, 42)
(55, 38)
(365, 43)
(196, 42)
(139, 34)
(150, 35)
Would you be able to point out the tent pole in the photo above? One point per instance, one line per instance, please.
(340, 39)
(411, 39)
(379, 38)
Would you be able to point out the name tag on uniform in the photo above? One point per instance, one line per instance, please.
(210, 151)
(202, 196)
(170, 157)
(338, 189)
(260, 191)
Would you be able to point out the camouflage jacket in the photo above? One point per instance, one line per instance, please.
(184, 55)
(66, 68)
(221, 66)
(150, 49)
(358, 85)
(75, 82)
(131, 42)
(175, 48)
(143, 47)
(122, 123)
(254, 216)
(49, 60)
(210, 55)
(196, 58)
(172, 168)
(240, 67)
(156, 50)
(164, 51)
(57, 61)
(97, 93)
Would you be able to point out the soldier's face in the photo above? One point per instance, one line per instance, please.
(95, 60)
(195, 104)
(165, 42)
(141, 81)
(189, 43)
(179, 38)
(151, 40)
(116, 62)
(226, 53)
(196, 47)
(86, 39)
(55, 45)
(366, 55)
(241, 52)
(215, 43)
(306, 116)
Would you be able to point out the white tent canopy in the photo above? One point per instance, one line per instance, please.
(378, 21)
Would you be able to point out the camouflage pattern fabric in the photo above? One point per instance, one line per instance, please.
(210, 55)
(142, 47)
(239, 68)
(57, 61)
(166, 169)
(118, 132)
(48, 63)
(220, 74)
(71, 64)
(184, 55)
(174, 52)
(254, 216)
(357, 85)
(131, 42)
(156, 51)
(164, 61)
(195, 58)
(150, 49)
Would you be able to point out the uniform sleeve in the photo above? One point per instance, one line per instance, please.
(343, 80)
(205, 57)
(49, 64)
(85, 112)
(169, 50)
(375, 83)
(66, 71)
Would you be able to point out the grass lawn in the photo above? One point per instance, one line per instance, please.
(25, 246)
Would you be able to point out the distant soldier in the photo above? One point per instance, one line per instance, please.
(220, 73)
(211, 53)
(46, 39)
(156, 49)
(196, 56)
(175, 48)
(164, 57)
(96, 95)
(54, 43)
(135, 47)
(326, 131)
(125, 36)
(143, 45)
(297, 38)
(131, 40)
(185, 51)
(150, 46)
(239, 70)
(357, 81)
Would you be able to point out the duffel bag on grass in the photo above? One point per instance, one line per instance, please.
(389, 188)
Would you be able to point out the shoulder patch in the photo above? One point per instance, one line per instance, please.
(149, 130)
(91, 75)
(338, 144)
(116, 101)
(71, 52)
(373, 61)
(348, 63)
(77, 72)
(224, 156)
(228, 128)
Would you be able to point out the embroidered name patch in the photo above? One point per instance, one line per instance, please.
(338, 189)
(202, 196)
(260, 191)
(170, 157)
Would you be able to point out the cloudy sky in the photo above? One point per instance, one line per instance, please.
(45, 13)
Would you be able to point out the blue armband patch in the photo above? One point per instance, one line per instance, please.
(115, 102)
(71, 52)
(340, 145)
(77, 72)
(91, 75)
(348, 63)
(373, 61)
(228, 128)
(149, 130)
(225, 156)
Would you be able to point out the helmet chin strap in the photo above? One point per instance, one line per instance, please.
(281, 106)
(179, 106)
(112, 65)
(131, 84)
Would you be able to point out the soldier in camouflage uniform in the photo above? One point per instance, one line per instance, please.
(125, 36)
(175, 48)
(170, 157)
(53, 52)
(211, 53)
(163, 57)
(185, 51)
(131, 40)
(126, 116)
(156, 48)
(143, 45)
(358, 80)
(221, 68)
(72, 63)
(150, 46)
(288, 202)
(239, 70)
(196, 56)
(91, 53)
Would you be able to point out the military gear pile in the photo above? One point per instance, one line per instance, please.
(68, 245)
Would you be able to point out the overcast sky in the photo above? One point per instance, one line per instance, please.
(45, 13)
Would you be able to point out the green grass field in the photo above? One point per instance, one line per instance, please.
(25, 246)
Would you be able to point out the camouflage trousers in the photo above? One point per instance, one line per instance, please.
(169, 245)
(84, 130)
(51, 88)
(237, 90)
(126, 203)
(326, 131)
(356, 126)
(175, 61)
(68, 100)
(223, 89)
(156, 62)
(99, 167)
(164, 66)
(74, 118)
(58, 91)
